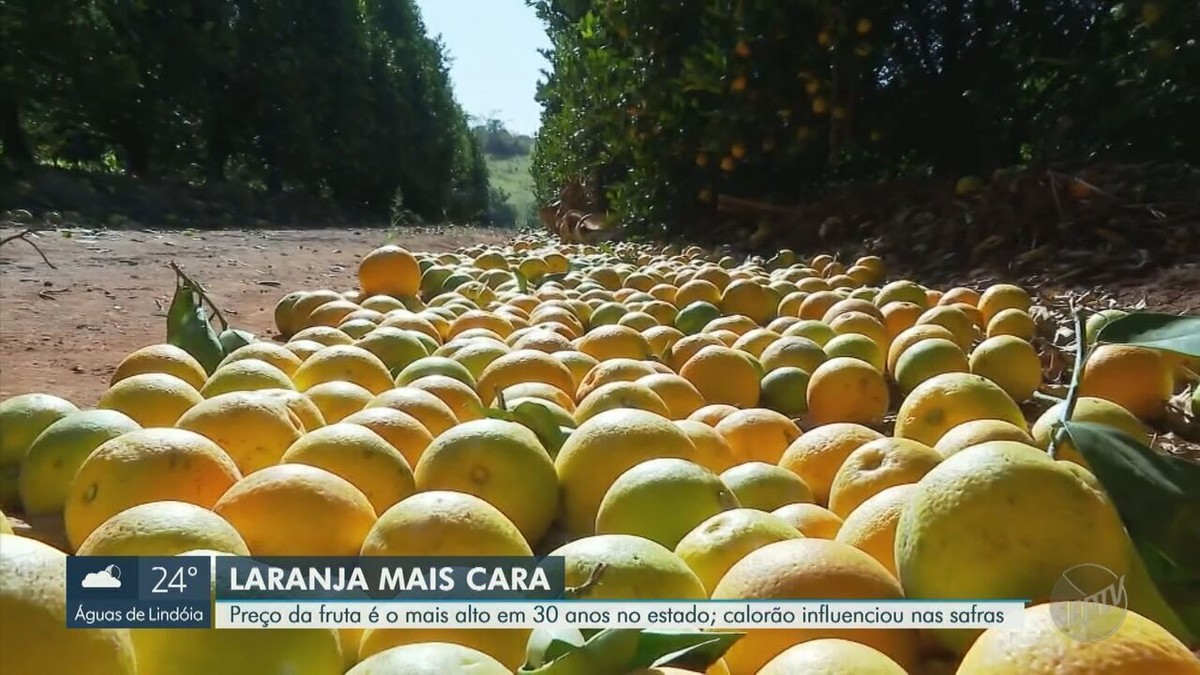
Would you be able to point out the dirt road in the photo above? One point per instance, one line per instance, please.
(64, 330)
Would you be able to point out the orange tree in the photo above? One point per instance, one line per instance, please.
(655, 107)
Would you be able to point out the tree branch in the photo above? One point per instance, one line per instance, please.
(24, 236)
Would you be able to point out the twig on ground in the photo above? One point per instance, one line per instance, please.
(24, 236)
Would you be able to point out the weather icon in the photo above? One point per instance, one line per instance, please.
(109, 577)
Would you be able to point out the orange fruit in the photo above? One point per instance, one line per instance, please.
(810, 520)
(344, 363)
(945, 401)
(679, 395)
(688, 346)
(461, 398)
(1087, 409)
(620, 395)
(818, 454)
(245, 375)
(878, 465)
(33, 609)
(962, 294)
(831, 655)
(911, 336)
(978, 525)
(716, 544)
(927, 358)
(627, 567)
(427, 658)
(1012, 363)
(765, 487)
(712, 451)
(444, 523)
(338, 399)
(758, 434)
(954, 320)
(845, 389)
(694, 492)
(810, 569)
(54, 457)
(253, 428)
(403, 431)
(899, 316)
(712, 415)
(1013, 322)
(267, 505)
(506, 645)
(151, 399)
(275, 354)
(524, 365)
(490, 459)
(817, 304)
(360, 456)
(603, 448)
(160, 529)
(745, 297)
(161, 358)
(1039, 646)
(1001, 297)
(389, 270)
(146, 465)
(974, 432)
(871, 526)
(1139, 380)
(423, 406)
(724, 375)
(610, 342)
(798, 352)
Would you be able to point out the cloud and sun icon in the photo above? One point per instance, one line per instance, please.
(109, 577)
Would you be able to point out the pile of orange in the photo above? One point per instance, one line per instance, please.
(688, 426)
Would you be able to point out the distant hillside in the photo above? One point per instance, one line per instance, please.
(511, 177)
(510, 185)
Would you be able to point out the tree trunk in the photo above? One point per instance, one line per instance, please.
(16, 146)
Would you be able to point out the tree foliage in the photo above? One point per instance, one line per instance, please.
(655, 107)
(340, 98)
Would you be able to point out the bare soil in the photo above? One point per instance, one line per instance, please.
(64, 330)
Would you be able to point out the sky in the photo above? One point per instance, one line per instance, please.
(495, 64)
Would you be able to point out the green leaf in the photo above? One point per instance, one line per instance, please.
(609, 652)
(544, 423)
(188, 327)
(1158, 498)
(232, 339)
(501, 414)
(522, 281)
(690, 650)
(1168, 332)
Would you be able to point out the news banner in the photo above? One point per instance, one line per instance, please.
(265, 593)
